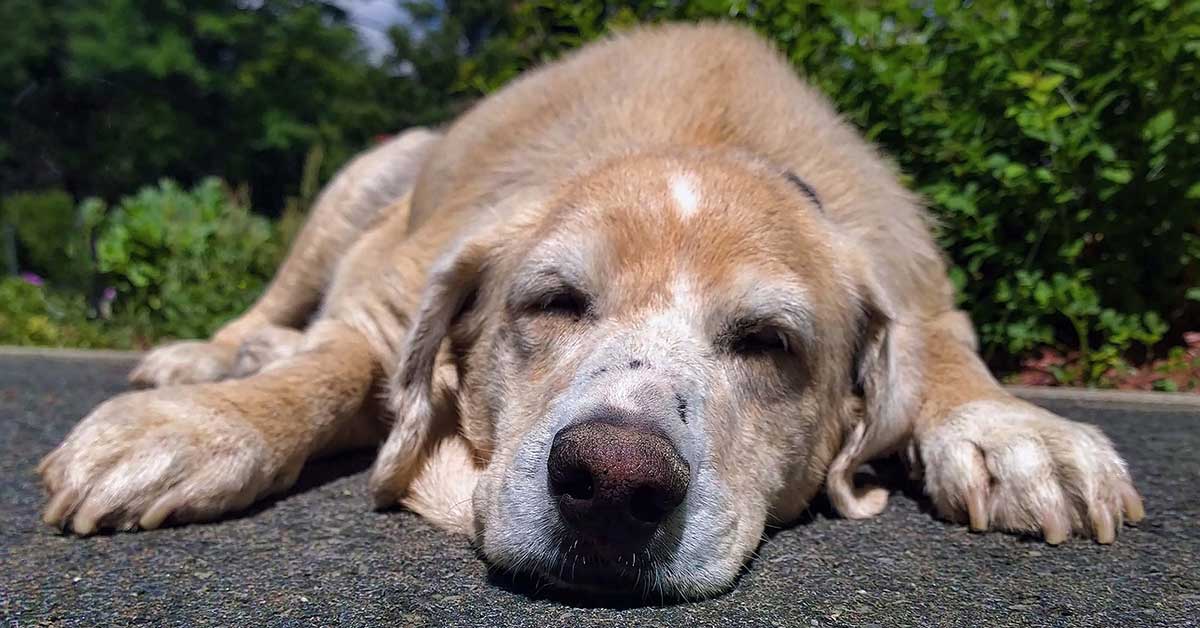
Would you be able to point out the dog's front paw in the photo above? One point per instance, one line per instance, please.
(145, 456)
(188, 362)
(265, 346)
(1012, 466)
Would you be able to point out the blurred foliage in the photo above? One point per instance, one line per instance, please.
(107, 96)
(172, 263)
(184, 262)
(1178, 371)
(35, 315)
(50, 235)
(1058, 142)
(295, 208)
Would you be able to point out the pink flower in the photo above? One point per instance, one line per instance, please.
(33, 279)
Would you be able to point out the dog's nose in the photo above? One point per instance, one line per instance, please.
(615, 483)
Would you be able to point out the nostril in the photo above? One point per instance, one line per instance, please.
(649, 505)
(576, 483)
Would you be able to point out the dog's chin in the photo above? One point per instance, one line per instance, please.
(595, 577)
(615, 585)
(618, 579)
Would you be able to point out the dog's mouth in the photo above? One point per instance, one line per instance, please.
(585, 568)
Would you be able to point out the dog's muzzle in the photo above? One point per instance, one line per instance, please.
(615, 483)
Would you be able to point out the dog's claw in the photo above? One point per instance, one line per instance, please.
(158, 512)
(1054, 529)
(58, 508)
(1131, 501)
(977, 509)
(84, 524)
(1102, 524)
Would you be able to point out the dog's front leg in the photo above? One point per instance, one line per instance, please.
(195, 452)
(371, 189)
(997, 462)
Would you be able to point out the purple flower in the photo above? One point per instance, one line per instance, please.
(33, 279)
(109, 295)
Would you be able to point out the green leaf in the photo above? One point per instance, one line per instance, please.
(1160, 125)
(1048, 83)
(1063, 67)
(1117, 175)
(1022, 79)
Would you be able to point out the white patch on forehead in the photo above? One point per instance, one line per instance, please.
(685, 193)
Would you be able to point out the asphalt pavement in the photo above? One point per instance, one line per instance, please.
(319, 556)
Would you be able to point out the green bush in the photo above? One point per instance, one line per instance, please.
(33, 315)
(170, 262)
(183, 262)
(1058, 142)
(52, 238)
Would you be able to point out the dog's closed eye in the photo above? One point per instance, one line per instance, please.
(549, 294)
(763, 340)
(754, 338)
(563, 301)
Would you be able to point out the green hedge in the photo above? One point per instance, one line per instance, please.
(1058, 142)
(184, 262)
(34, 315)
(46, 224)
(169, 263)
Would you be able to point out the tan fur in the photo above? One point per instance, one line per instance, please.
(652, 166)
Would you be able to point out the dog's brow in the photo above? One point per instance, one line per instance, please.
(544, 274)
(783, 305)
(537, 280)
(805, 188)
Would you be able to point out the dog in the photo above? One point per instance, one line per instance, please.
(626, 312)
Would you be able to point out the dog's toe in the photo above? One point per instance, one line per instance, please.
(189, 362)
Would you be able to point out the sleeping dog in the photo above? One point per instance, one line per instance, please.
(625, 312)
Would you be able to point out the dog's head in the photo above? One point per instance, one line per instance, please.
(655, 363)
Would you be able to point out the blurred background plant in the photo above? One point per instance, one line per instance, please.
(183, 262)
(175, 263)
(1057, 142)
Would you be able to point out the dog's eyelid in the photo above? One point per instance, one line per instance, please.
(757, 335)
(565, 297)
(550, 292)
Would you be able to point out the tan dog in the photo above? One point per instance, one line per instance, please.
(624, 313)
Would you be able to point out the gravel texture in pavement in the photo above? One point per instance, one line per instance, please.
(319, 556)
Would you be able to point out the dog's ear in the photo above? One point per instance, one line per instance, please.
(874, 365)
(885, 375)
(419, 414)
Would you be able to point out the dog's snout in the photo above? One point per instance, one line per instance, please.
(615, 483)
